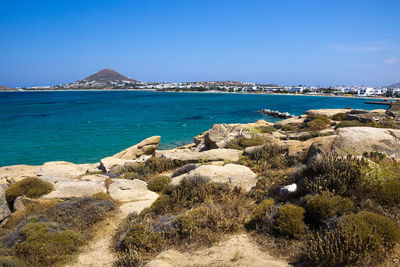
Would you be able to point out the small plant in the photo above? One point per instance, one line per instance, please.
(158, 183)
(161, 204)
(339, 117)
(317, 122)
(185, 169)
(290, 221)
(263, 129)
(322, 206)
(389, 192)
(30, 187)
(261, 209)
(129, 258)
(141, 239)
(288, 127)
(271, 156)
(242, 143)
(11, 261)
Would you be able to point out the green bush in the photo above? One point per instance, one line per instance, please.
(264, 129)
(141, 239)
(46, 244)
(322, 206)
(336, 248)
(242, 143)
(261, 209)
(389, 192)
(290, 221)
(317, 122)
(366, 224)
(288, 127)
(191, 220)
(344, 124)
(30, 187)
(339, 117)
(158, 183)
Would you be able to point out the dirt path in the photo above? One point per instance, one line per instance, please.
(98, 253)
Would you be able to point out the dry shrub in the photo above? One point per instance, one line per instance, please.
(81, 214)
(341, 175)
(185, 169)
(336, 248)
(344, 124)
(146, 169)
(389, 192)
(269, 156)
(129, 258)
(141, 239)
(11, 261)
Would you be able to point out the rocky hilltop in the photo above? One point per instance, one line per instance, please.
(107, 75)
(319, 189)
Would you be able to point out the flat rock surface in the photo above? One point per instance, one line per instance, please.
(55, 171)
(186, 155)
(15, 173)
(130, 190)
(327, 112)
(232, 174)
(69, 189)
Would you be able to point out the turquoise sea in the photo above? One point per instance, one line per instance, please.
(83, 127)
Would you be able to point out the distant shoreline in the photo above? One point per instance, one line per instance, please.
(199, 92)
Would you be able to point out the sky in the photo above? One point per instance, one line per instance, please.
(288, 42)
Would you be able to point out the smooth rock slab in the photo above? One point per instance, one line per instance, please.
(186, 155)
(130, 190)
(56, 171)
(15, 173)
(357, 140)
(232, 174)
(70, 189)
(114, 165)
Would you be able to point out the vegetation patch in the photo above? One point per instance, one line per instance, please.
(344, 124)
(30, 187)
(158, 183)
(242, 142)
(290, 221)
(322, 206)
(263, 129)
(152, 166)
(339, 116)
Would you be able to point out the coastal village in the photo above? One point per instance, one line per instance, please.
(110, 79)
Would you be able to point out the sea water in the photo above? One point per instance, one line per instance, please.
(83, 127)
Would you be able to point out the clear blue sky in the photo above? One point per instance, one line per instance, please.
(282, 41)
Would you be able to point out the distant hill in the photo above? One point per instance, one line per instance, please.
(107, 75)
(5, 88)
(395, 85)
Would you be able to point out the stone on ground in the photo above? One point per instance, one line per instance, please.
(232, 174)
(5, 212)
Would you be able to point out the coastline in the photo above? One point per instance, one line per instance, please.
(202, 92)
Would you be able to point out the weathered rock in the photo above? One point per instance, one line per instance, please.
(289, 188)
(321, 145)
(186, 155)
(232, 174)
(19, 204)
(94, 177)
(357, 140)
(145, 147)
(221, 134)
(70, 189)
(130, 190)
(56, 171)
(296, 120)
(5, 212)
(133, 193)
(327, 112)
(15, 173)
